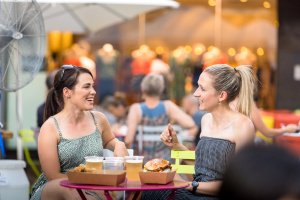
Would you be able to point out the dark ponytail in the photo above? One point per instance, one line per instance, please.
(52, 106)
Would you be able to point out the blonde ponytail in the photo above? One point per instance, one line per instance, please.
(237, 82)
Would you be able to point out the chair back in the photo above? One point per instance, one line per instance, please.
(109, 153)
(143, 136)
(183, 169)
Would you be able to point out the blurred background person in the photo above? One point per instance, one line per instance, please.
(117, 106)
(270, 132)
(107, 64)
(259, 125)
(140, 67)
(154, 112)
(158, 66)
(190, 105)
(41, 108)
(260, 173)
(85, 61)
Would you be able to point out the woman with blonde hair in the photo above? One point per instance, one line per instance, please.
(224, 130)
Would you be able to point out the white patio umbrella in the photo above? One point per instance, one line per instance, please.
(89, 16)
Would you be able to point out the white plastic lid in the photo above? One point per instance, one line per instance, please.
(12, 164)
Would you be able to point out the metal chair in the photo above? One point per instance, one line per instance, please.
(143, 136)
(183, 169)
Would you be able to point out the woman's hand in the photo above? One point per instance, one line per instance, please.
(169, 136)
(120, 149)
(291, 128)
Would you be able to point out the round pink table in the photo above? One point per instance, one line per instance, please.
(126, 186)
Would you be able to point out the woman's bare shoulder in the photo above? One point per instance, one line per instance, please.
(243, 120)
(49, 129)
(169, 103)
(135, 108)
(244, 125)
(98, 114)
(206, 117)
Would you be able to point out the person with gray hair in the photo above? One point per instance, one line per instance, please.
(154, 112)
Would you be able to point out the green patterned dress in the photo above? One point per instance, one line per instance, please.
(71, 153)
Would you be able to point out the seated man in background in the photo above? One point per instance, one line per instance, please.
(117, 106)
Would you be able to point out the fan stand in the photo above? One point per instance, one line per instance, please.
(20, 155)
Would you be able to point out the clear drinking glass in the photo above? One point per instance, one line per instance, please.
(134, 164)
(113, 164)
(94, 162)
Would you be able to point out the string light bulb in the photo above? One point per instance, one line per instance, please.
(159, 50)
(187, 48)
(231, 51)
(260, 51)
(267, 4)
(212, 2)
(244, 50)
(199, 49)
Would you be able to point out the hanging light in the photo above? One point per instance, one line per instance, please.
(187, 48)
(144, 48)
(267, 4)
(159, 50)
(244, 50)
(231, 51)
(66, 40)
(243, 1)
(210, 48)
(212, 2)
(260, 51)
(177, 53)
(199, 49)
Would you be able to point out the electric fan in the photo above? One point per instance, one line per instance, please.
(22, 43)
(22, 48)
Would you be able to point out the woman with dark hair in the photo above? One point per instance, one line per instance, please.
(70, 132)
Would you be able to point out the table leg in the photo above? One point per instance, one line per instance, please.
(81, 194)
(136, 195)
(172, 194)
(107, 195)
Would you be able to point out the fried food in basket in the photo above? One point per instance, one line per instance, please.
(83, 168)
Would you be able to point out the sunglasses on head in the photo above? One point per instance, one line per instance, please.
(64, 67)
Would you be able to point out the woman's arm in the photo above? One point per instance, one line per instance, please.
(47, 149)
(208, 188)
(133, 119)
(270, 132)
(108, 139)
